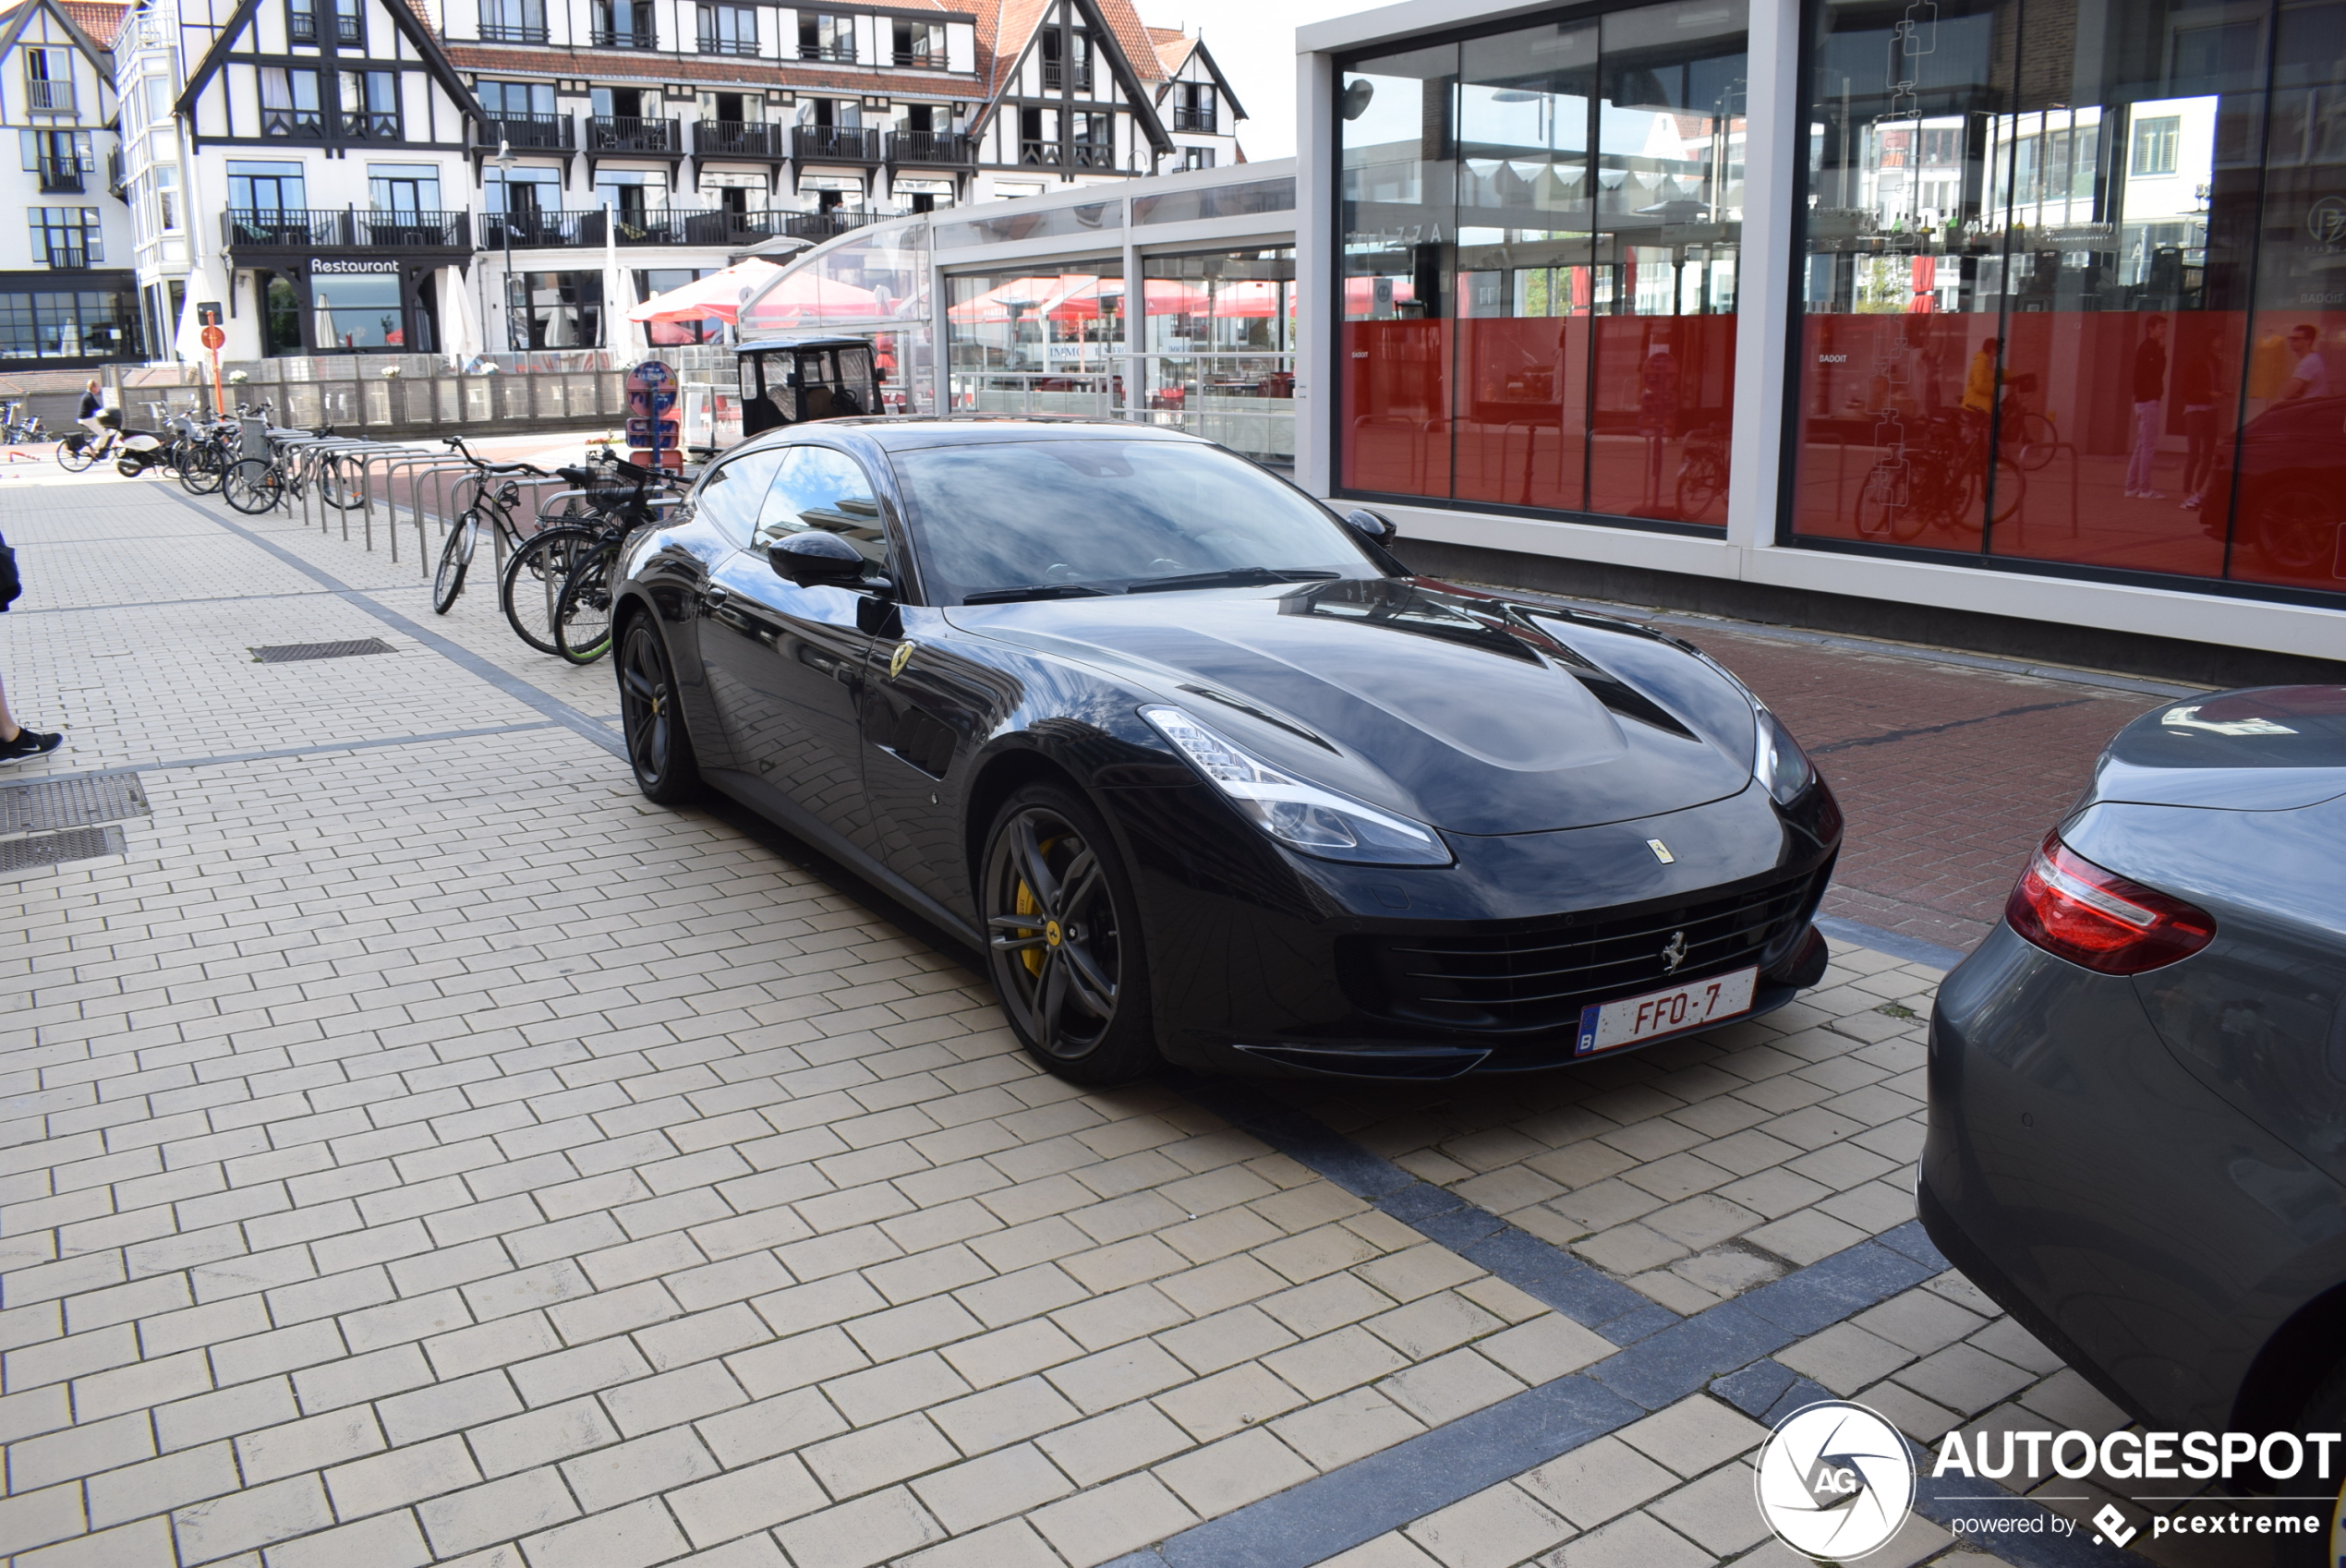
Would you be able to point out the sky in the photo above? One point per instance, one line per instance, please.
(1253, 41)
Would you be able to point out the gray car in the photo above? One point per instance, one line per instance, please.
(2137, 1136)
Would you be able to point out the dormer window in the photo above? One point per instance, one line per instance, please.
(919, 45)
(514, 22)
(48, 81)
(825, 37)
(1194, 108)
(311, 21)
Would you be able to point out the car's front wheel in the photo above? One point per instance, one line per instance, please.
(1063, 939)
(657, 748)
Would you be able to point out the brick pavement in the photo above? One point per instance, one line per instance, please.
(426, 1151)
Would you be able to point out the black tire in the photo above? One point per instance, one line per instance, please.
(582, 617)
(73, 453)
(338, 488)
(532, 589)
(252, 486)
(201, 473)
(657, 748)
(455, 555)
(1063, 939)
(2035, 442)
(2295, 523)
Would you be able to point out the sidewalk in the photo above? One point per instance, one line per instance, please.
(420, 1149)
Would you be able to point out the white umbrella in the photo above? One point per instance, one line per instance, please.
(617, 295)
(188, 331)
(459, 332)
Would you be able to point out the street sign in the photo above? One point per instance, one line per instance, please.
(655, 431)
(209, 312)
(213, 338)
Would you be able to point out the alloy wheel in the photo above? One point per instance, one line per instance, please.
(1052, 933)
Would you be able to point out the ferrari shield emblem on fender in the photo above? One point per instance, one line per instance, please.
(899, 659)
(1661, 851)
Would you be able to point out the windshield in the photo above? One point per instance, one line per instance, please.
(1066, 517)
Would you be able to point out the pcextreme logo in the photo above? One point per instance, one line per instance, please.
(1834, 1479)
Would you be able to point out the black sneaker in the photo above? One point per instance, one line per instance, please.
(29, 743)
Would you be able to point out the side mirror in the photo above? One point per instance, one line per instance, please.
(814, 558)
(1375, 524)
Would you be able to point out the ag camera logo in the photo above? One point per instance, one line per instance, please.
(1835, 1480)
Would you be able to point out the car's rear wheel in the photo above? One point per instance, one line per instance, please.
(1063, 939)
(657, 747)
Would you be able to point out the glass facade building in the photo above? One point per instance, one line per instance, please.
(2074, 285)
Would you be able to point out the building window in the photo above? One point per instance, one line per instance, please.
(920, 45)
(514, 22)
(555, 310)
(729, 30)
(68, 324)
(1541, 227)
(825, 37)
(369, 105)
(1067, 61)
(48, 81)
(1194, 108)
(403, 188)
(1095, 146)
(289, 103)
(516, 100)
(1038, 137)
(2110, 337)
(664, 334)
(357, 310)
(266, 187)
(164, 180)
(2154, 142)
(623, 24)
(63, 159)
(66, 236)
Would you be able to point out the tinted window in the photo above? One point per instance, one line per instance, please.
(1109, 514)
(822, 489)
(730, 498)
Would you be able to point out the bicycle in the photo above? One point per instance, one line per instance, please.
(464, 535)
(569, 560)
(1702, 473)
(78, 450)
(18, 429)
(1935, 481)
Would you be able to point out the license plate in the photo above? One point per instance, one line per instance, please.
(1636, 1020)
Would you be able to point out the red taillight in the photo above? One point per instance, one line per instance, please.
(2097, 919)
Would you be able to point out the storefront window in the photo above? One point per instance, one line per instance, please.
(1219, 343)
(555, 309)
(356, 311)
(2078, 302)
(1541, 229)
(68, 324)
(1040, 342)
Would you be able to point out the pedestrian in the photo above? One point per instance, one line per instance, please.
(2309, 372)
(1980, 388)
(2150, 390)
(16, 743)
(2195, 385)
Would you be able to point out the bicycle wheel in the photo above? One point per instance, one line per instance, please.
(532, 588)
(2034, 447)
(251, 485)
(74, 454)
(338, 488)
(582, 620)
(1703, 479)
(202, 474)
(1881, 497)
(455, 555)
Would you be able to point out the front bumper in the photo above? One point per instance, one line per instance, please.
(2123, 1212)
(1266, 962)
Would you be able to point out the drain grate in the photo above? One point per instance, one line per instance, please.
(70, 802)
(55, 849)
(293, 653)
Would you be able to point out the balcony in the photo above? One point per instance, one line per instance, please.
(305, 125)
(301, 27)
(49, 97)
(371, 124)
(922, 60)
(287, 228)
(118, 182)
(712, 44)
(945, 149)
(737, 138)
(1055, 76)
(834, 53)
(515, 32)
(822, 225)
(1084, 155)
(1040, 154)
(550, 231)
(68, 256)
(551, 133)
(696, 227)
(638, 38)
(1199, 120)
(625, 133)
(62, 176)
(834, 144)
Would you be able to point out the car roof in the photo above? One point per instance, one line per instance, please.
(903, 433)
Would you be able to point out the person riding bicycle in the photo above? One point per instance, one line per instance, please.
(92, 417)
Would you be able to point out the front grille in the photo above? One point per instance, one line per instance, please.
(1531, 975)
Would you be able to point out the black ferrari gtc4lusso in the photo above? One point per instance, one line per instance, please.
(1206, 773)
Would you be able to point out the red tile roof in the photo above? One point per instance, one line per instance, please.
(101, 20)
(624, 65)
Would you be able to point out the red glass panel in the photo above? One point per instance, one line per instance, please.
(1523, 415)
(2289, 461)
(1664, 391)
(1396, 401)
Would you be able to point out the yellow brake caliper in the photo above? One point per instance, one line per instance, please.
(1027, 904)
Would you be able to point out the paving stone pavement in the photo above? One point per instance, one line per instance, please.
(426, 1150)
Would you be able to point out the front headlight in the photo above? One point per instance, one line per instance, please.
(1304, 816)
(1777, 761)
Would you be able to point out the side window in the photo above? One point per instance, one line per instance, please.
(823, 488)
(729, 499)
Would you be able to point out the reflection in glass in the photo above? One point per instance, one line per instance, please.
(1045, 343)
